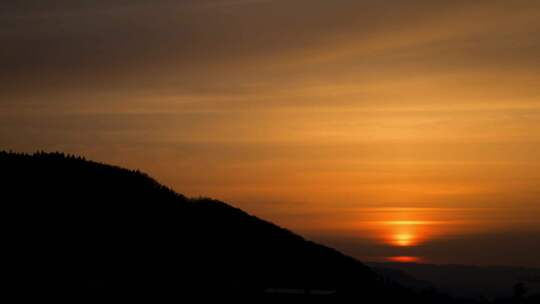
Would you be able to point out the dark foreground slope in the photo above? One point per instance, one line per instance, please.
(82, 228)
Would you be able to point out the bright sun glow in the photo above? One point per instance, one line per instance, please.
(402, 231)
(403, 239)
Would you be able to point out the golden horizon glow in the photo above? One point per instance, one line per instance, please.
(404, 259)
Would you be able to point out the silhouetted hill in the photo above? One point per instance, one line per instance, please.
(394, 273)
(461, 280)
(84, 229)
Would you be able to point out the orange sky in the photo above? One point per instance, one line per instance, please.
(385, 123)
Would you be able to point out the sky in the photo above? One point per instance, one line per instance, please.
(387, 129)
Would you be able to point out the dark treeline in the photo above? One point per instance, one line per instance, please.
(86, 230)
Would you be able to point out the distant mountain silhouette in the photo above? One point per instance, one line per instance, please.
(492, 282)
(89, 230)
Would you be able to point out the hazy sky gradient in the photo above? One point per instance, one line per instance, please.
(352, 122)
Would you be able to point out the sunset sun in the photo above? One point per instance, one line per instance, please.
(403, 239)
(405, 233)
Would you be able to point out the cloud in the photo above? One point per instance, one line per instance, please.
(166, 45)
